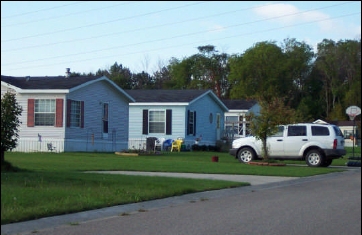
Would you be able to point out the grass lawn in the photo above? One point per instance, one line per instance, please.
(50, 184)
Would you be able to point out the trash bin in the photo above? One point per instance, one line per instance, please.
(150, 143)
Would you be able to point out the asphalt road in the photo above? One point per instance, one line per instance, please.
(324, 205)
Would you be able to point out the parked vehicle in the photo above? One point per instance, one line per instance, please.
(317, 144)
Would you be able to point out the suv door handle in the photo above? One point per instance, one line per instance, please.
(279, 140)
(304, 139)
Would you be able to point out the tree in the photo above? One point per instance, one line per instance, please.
(273, 113)
(10, 112)
(207, 69)
(260, 71)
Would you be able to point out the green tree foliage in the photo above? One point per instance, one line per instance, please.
(10, 112)
(317, 85)
(207, 69)
(298, 66)
(273, 112)
(339, 67)
(261, 73)
(161, 78)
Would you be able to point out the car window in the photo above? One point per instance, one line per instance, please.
(320, 131)
(337, 131)
(297, 131)
(280, 132)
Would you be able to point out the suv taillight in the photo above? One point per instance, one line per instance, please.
(335, 143)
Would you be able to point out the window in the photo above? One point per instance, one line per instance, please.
(280, 132)
(157, 121)
(44, 112)
(297, 131)
(191, 123)
(320, 131)
(157, 125)
(234, 125)
(75, 113)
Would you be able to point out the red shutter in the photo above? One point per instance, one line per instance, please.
(30, 112)
(82, 114)
(59, 113)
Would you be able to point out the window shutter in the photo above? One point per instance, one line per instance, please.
(82, 114)
(168, 121)
(194, 123)
(68, 111)
(31, 112)
(59, 113)
(145, 122)
(188, 123)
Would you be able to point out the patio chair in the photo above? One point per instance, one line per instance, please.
(50, 147)
(159, 144)
(176, 144)
(167, 144)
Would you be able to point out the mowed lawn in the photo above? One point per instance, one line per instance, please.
(50, 184)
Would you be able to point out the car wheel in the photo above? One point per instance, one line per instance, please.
(314, 158)
(246, 155)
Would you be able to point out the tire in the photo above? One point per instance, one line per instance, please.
(246, 155)
(327, 162)
(314, 158)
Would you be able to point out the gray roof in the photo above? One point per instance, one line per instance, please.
(163, 96)
(44, 83)
(239, 104)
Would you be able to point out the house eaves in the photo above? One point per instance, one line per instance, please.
(103, 78)
(158, 104)
(52, 85)
(214, 97)
(171, 97)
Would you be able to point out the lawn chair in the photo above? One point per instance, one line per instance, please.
(167, 144)
(159, 144)
(176, 144)
(50, 147)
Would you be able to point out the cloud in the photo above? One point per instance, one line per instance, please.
(287, 14)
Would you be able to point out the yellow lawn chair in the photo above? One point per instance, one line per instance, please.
(176, 144)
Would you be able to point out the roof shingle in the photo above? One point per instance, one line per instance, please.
(43, 83)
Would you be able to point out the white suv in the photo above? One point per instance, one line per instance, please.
(317, 144)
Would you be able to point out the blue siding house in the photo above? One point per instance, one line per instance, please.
(197, 116)
(71, 113)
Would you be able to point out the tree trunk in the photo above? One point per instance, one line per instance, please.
(265, 151)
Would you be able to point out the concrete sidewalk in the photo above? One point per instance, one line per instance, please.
(252, 179)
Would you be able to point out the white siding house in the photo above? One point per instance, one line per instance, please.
(172, 114)
(236, 124)
(72, 114)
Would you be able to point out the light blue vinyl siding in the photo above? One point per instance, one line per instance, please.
(90, 138)
(202, 106)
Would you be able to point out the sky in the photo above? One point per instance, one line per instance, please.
(43, 38)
